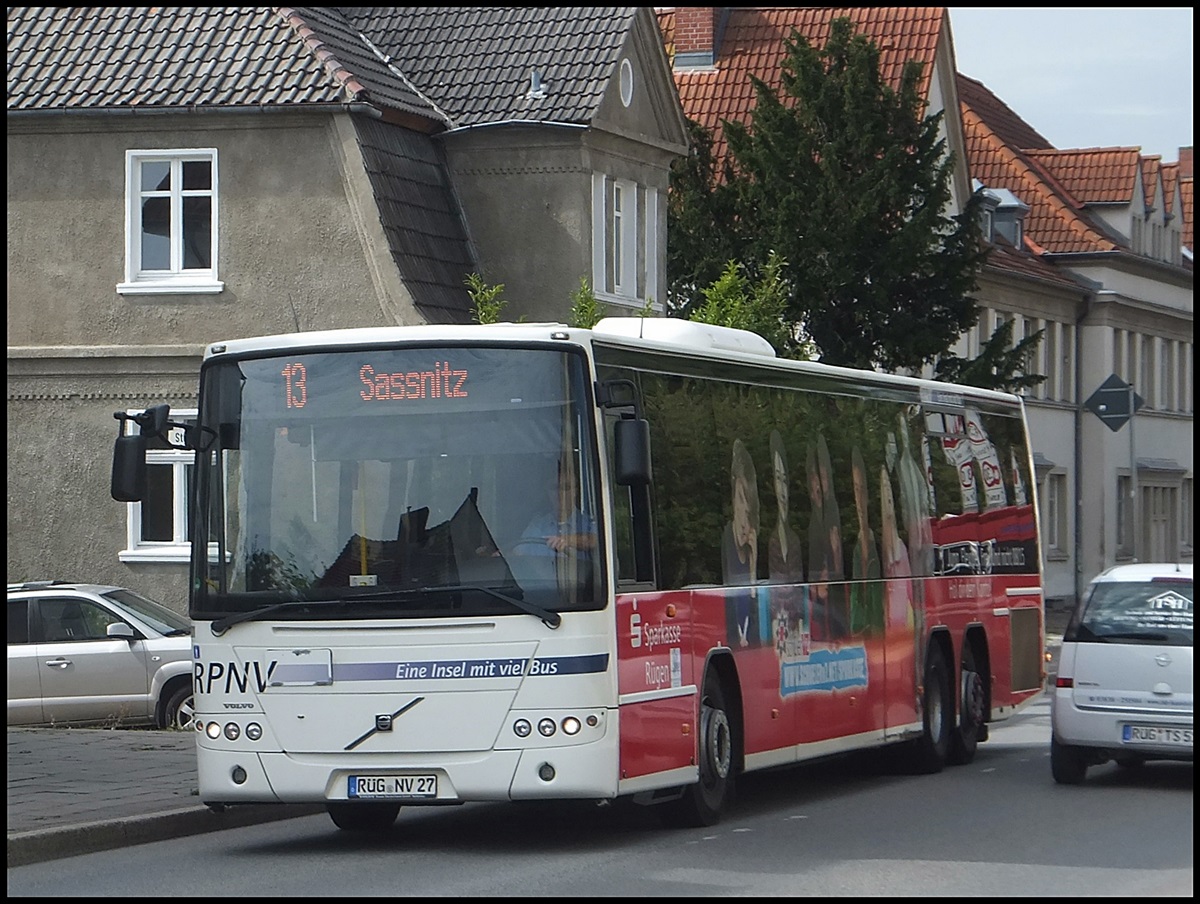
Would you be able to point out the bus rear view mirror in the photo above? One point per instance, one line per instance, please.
(129, 468)
(631, 442)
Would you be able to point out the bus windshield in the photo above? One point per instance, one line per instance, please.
(383, 482)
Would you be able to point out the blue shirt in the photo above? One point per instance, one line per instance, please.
(533, 538)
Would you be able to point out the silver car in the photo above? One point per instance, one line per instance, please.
(1124, 685)
(91, 653)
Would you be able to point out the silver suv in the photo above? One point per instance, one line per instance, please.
(93, 653)
(1124, 685)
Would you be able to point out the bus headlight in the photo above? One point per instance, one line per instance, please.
(253, 731)
(213, 730)
(571, 725)
(546, 727)
(522, 728)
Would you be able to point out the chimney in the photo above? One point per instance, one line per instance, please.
(696, 36)
(1185, 162)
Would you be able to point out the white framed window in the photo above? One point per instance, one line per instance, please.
(625, 246)
(1124, 517)
(623, 222)
(1054, 515)
(170, 222)
(1187, 514)
(985, 224)
(157, 527)
(1067, 382)
(1166, 379)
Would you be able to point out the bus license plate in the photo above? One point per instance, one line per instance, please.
(1162, 735)
(392, 787)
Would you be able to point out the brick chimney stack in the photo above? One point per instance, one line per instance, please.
(1185, 162)
(695, 36)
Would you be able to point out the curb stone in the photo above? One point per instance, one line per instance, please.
(40, 845)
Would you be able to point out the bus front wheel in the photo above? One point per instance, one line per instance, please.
(373, 816)
(703, 802)
(929, 753)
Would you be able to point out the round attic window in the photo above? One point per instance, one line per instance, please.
(626, 82)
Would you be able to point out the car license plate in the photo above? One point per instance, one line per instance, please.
(392, 787)
(1162, 735)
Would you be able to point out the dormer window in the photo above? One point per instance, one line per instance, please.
(1001, 214)
(985, 224)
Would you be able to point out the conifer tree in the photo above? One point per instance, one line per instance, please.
(843, 177)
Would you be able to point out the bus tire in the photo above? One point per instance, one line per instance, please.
(972, 702)
(365, 816)
(929, 753)
(703, 802)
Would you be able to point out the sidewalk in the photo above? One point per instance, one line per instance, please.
(78, 790)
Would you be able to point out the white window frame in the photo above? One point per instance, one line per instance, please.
(177, 549)
(176, 279)
(1054, 520)
(624, 241)
(1186, 512)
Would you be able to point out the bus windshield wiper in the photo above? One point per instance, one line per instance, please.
(549, 619)
(221, 625)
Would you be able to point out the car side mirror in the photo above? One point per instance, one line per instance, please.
(122, 630)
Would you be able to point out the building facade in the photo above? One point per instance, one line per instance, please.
(233, 171)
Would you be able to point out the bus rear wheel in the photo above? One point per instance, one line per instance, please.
(372, 816)
(703, 802)
(964, 741)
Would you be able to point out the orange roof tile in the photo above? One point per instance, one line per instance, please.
(1005, 256)
(1185, 190)
(751, 43)
(1151, 167)
(1008, 126)
(1055, 222)
(1170, 176)
(1093, 175)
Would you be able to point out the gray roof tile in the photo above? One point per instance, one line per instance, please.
(475, 63)
(458, 66)
(62, 58)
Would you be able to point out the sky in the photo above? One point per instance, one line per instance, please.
(1086, 77)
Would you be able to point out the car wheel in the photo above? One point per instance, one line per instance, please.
(964, 740)
(929, 753)
(1068, 764)
(703, 802)
(372, 816)
(180, 710)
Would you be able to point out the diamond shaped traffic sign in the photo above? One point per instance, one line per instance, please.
(1111, 402)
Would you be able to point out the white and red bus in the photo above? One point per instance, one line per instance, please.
(769, 561)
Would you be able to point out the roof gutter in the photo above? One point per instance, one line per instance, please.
(516, 122)
(351, 107)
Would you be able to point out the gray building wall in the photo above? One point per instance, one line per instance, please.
(300, 248)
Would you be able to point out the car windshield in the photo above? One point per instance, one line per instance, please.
(156, 615)
(1151, 612)
(398, 482)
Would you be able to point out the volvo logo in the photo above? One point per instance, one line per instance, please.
(384, 722)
